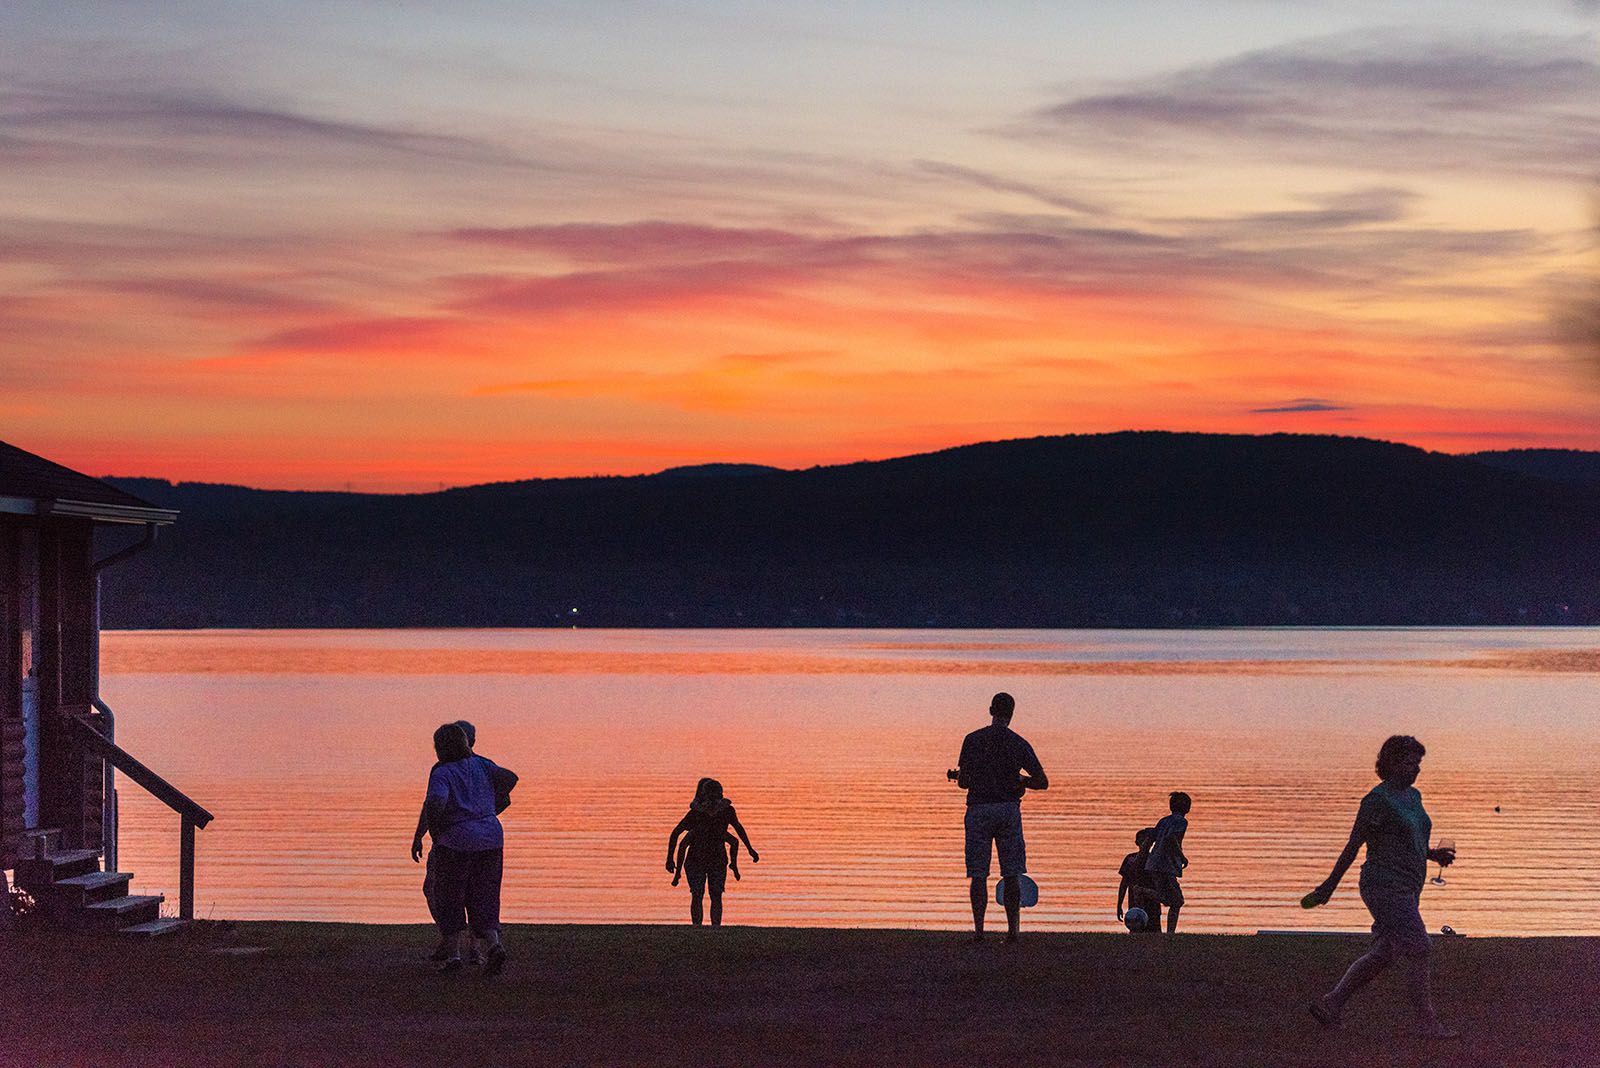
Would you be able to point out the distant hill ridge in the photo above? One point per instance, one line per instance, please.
(1130, 529)
(1566, 465)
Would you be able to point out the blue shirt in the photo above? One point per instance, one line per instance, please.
(463, 796)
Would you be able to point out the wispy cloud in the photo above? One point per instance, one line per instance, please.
(69, 123)
(1342, 244)
(648, 241)
(1394, 101)
(210, 297)
(408, 333)
(1336, 211)
(1001, 184)
(1303, 404)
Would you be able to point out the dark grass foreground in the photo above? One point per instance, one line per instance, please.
(338, 994)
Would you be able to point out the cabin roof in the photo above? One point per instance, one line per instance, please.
(32, 485)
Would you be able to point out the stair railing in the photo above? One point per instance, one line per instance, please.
(190, 813)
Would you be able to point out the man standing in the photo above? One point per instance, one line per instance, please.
(992, 762)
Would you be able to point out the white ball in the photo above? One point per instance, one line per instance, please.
(1136, 918)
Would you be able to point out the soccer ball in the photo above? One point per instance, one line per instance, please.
(1136, 918)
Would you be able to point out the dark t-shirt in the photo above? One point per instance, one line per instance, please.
(1141, 889)
(992, 761)
(707, 833)
(1166, 855)
(1133, 870)
(1398, 829)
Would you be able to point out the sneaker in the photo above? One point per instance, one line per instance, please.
(1324, 1014)
(451, 964)
(475, 957)
(440, 952)
(497, 960)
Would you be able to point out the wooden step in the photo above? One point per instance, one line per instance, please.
(118, 912)
(81, 890)
(35, 874)
(155, 928)
(39, 842)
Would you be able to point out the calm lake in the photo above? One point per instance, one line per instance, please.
(312, 748)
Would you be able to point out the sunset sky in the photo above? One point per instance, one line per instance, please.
(394, 245)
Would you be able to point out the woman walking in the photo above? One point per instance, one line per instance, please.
(468, 846)
(1395, 828)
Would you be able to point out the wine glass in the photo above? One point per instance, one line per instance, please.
(1444, 843)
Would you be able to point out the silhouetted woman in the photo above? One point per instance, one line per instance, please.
(1393, 826)
(468, 846)
(706, 863)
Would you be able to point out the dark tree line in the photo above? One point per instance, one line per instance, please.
(1120, 530)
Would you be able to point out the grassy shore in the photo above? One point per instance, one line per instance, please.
(311, 995)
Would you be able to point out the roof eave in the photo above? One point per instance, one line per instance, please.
(103, 513)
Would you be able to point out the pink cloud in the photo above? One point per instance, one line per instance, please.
(648, 241)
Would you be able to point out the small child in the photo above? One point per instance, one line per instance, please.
(1138, 885)
(733, 856)
(1166, 861)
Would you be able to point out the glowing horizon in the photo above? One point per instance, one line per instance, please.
(329, 245)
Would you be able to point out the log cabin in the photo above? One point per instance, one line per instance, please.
(59, 529)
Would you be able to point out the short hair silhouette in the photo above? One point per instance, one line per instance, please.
(1003, 704)
(470, 731)
(1145, 836)
(1396, 750)
(450, 743)
(1179, 802)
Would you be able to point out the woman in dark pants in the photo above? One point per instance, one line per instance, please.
(1395, 828)
(468, 846)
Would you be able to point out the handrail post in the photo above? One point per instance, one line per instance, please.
(186, 870)
(193, 815)
(108, 779)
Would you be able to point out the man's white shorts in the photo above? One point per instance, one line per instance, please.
(999, 822)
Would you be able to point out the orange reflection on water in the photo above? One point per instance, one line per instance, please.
(313, 754)
(290, 652)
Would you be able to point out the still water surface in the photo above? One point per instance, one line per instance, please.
(312, 748)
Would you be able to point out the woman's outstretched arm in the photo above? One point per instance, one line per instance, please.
(1358, 836)
(739, 828)
(672, 843)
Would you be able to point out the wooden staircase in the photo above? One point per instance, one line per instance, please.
(74, 893)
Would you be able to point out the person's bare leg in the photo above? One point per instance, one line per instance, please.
(1013, 900)
(716, 909)
(1419, 988)
(980, 905)
(1172, 919)
(1366, 968)
(697, 907)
